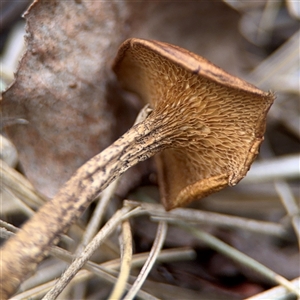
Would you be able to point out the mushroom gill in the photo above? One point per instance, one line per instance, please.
(211, 122)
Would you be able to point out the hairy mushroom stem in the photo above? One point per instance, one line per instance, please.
(21, 253)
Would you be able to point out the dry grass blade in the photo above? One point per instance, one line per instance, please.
(126, 258)
(105, 271)
(196, 216)
(239, 257)
(5, 234)
(157, 245)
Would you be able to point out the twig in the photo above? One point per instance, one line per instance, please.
(157, 245)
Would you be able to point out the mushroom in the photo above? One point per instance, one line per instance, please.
(207, 123)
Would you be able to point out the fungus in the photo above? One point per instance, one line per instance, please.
(207, 123)
(210, 123)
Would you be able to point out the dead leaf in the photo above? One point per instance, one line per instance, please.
(64, 87)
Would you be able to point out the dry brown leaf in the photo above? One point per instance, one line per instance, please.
(64, 87)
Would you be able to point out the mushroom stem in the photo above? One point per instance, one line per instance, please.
(21, 253)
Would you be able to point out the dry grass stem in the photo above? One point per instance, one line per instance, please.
(267, 21)
(10, 230)
(156, 248)
(49, 270)
(196, 216)
(239, 257)
(126, 259)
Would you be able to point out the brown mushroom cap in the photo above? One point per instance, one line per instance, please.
(214, 122)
